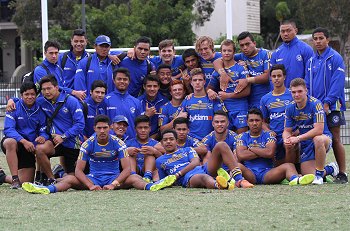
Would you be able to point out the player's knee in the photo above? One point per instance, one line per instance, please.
(319, 140)
(10, 144)
(222, 145)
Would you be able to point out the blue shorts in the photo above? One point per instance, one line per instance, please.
(336, 119)
(280, 150)
(307, 151)
(197, 170)
(102, 180)
(238, 119)
(259, 174)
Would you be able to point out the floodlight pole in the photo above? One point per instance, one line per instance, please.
(44, 24)
(229, 19)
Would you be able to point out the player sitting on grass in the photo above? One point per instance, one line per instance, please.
(307, 113)
(142, 149)
(104, 152)
(256, 149)
(184, 163)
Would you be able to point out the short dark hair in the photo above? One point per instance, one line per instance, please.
(180, 120)
(168, 131)
(189, 52)
(123, 70)
(289, 22)
(141, 119)
(98, 83)
(48, 79)
(79, 32)
(244, 35)
(143, 39)
(255, 111)
(27, 86)
(321, 30)
(221, 112)
(102, 118)
(278, 67)
(54, 44)
(163, 66)
(151, 78)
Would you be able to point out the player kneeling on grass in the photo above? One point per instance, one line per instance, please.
(184, 163)
(104, 152)
(256, 149)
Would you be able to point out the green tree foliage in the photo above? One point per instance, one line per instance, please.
(123, 20)
(332, 14)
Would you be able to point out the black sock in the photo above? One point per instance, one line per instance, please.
(14, 177)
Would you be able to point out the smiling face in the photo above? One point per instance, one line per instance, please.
(121, 82)
(220, 124)
(177, 91)
(164, 75)
(78, 43)
(167, 54)
(151, 89)
(29, 97)
(206, 51)
(120, 128)
(98, 94)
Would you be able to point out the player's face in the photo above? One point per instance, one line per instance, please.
(191, 62)
(288, 32)
(169, 142)
(227, 52)
(120, 128)
(142, 50)
(299, 94)
(49, 91)
(167, 54)
(182, 131)
(198, 82)
(78, 43)
(142, 130)
(206, 51)
(151, 88)
(177, 92)
(102, 50)
(247, 46)
(121, 82)
(277, 78)
(98, 94)
(52, 54)
(254, 123)
(164, 75)
(102, 130)
(29, 97)
(220, 124)
(320, 41)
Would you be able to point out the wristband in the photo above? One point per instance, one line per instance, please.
(298, 137)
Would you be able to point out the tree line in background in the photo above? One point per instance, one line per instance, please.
(125, 20)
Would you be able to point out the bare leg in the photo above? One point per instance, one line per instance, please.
(202, 181)
(68, 182)
(11, 155)
(26, 174)
(277, 174)
(321, 143)
(43, 151)
(338, 148)
(221, 154)
(247, 174)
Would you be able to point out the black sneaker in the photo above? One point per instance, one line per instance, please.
(50, 181)
(2, 176)
(341, 178)
(16, 184)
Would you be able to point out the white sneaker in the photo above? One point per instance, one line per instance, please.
(335, 166)
(318, 180)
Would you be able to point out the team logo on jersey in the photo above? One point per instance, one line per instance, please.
(330, 66)
(336, 119)
(65, 110)
(132, 109)
(299, 58)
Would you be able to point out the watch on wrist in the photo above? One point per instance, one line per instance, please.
(63, 137)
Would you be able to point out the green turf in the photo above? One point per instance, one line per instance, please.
(278, 207)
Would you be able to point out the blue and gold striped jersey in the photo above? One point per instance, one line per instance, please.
(140, 158)
(103, 159)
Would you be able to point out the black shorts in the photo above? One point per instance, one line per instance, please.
(70, 157)
(335, 119)
(25, 159)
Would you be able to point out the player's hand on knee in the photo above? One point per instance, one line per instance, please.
(95, 188)
(108, 187)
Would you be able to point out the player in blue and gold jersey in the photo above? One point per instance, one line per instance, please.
(142, 149)
(306, 112)
(184, 163)
(105, 153)
(272, 106)
(256, 149)
(236, 102)
(200, 109)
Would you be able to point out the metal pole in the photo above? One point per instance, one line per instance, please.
(44, 24)
(83, 18)
(229, 19)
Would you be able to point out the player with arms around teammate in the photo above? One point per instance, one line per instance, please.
(256, 149)
(104, 153)
(306, 112)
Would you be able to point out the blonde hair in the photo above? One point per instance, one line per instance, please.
(202, 39)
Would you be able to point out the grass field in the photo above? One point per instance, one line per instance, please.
(275, 207)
